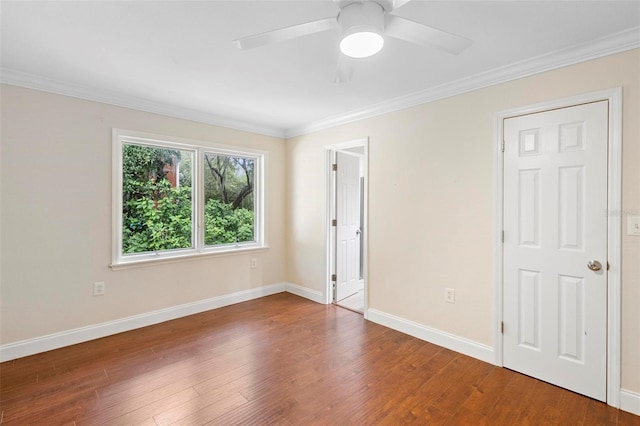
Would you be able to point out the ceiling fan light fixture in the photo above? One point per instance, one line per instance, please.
(361, 44)
(361, 25)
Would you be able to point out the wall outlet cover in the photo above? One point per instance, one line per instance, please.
(633, 225)
(449, 295)
(99, 288)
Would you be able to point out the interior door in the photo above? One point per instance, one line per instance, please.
(555, 247)
(348, 225)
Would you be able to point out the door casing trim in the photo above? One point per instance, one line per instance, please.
(614, 221)
(329, 186)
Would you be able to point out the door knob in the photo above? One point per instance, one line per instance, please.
(594, 265)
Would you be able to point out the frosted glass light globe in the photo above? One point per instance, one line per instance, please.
(361, 44)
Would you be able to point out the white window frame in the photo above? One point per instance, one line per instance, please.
(125, 137)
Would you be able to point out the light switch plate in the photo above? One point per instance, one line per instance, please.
(633, 225)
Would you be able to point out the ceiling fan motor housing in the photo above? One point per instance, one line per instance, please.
(358, 19)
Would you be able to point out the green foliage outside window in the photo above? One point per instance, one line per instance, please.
(157, 208)
(229, 201)
(225, 225)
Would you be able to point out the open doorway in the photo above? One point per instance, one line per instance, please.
(347, 231)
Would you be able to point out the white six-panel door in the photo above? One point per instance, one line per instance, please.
(555, 226)
(348, 225)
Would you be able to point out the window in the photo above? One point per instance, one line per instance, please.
(229, 210)
(175, 198)
(157, 203)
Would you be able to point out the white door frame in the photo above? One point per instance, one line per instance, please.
(328, 215)
(614, 229)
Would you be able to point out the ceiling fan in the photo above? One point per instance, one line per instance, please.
(363, 25)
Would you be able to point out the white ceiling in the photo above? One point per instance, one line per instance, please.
(177, 57)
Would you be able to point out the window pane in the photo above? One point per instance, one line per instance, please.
(156, 199)
(229, 199)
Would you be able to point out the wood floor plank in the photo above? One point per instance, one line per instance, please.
(67, 394)
(572, 407)
(128, 412)
(515, 398)
(279, 360)
(599, 413)
(419, 404)
(427, 416)
(401, 388)
(148, 422)
(351, 390)
(542, 407)
(200, 410)
(449, 401)
(485, 396)
(628, 419)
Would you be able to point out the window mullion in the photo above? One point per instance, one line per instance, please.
(199, 223)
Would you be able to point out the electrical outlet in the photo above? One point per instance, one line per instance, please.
(633, 225)
(99, 288)
(449, 295)
(254, 263)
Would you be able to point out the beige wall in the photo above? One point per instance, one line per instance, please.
(431, 202)
(56, 218)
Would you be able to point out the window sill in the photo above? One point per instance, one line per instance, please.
(141, 263)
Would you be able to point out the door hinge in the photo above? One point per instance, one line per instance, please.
(502, 145)
(502, 236)
(608, 266)
(334, 277)
(502, 327)
(334, 167)
(334, 222)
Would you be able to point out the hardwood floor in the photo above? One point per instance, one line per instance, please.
(278, 360)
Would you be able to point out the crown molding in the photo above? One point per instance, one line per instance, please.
(605, 46)
(32, 81)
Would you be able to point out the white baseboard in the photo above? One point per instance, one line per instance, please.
(437, 337)
(630, 401)
(305, 292)
(71, 337)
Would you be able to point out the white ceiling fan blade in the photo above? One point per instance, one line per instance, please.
(414, 32)
(344, 70)
(398, 3)
(287, 33)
